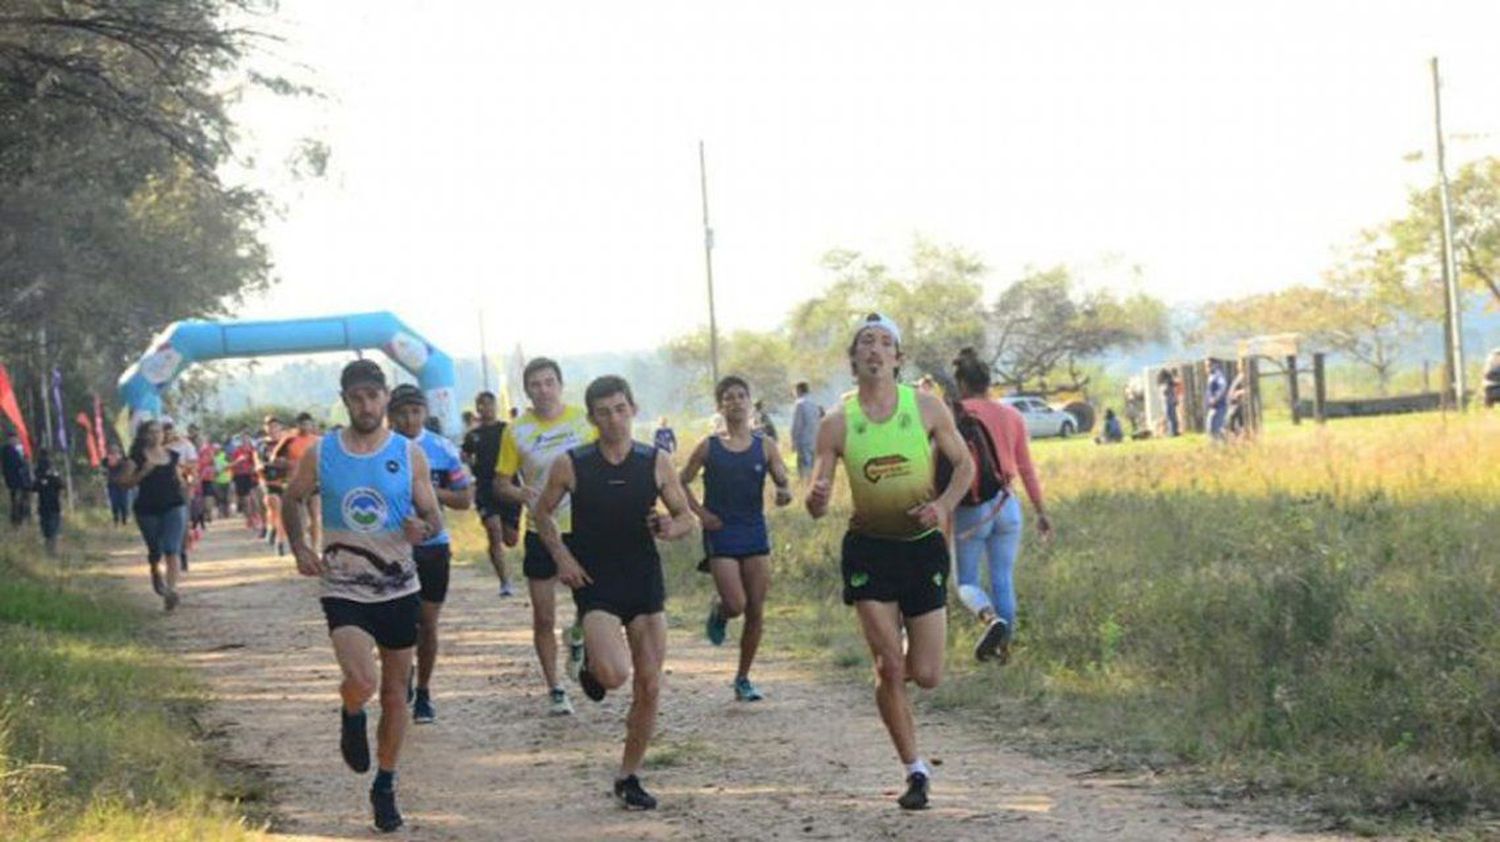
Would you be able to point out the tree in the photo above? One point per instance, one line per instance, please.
(764, 360)
(1416, 238)
(1043, 328)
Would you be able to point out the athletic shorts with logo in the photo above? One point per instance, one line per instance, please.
(913, 574)
(392, 623)
(433, 562)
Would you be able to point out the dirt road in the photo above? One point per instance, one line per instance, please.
(810, 762)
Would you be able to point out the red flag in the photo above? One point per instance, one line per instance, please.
(99, 427)
(88, 437)
(12, 410)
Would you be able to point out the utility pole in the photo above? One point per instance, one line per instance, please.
(708, 262)
(484, 353)
(1453, 302)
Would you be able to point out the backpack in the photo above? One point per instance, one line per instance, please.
(989, 477)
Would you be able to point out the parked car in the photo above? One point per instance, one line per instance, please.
(1042, 420)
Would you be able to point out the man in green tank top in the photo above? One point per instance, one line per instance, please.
(895, 560)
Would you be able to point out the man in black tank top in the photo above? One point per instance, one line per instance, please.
(611, 563)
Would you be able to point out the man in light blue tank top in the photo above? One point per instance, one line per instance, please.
(736, 543)
(450, 482)
(375, 492)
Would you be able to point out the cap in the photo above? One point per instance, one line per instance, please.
(406, 395)
(361, 373)
(876, 320)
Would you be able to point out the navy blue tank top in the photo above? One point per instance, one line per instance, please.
(734, 490)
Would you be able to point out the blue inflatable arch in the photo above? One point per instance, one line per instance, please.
(184, 343)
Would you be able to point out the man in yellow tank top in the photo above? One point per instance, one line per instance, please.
(895, 560)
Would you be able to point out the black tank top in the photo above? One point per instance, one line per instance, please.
(160, 490)
(610, 504)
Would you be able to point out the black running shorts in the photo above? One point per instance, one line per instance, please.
(537, 563)
(488, 505)
(432, 570)
(913, 574)
(624, 597)
(392, 623)
(243, 484)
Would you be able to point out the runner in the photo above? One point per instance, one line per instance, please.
(187, 465)
(273, 480)
(611, 563)
(736, 544)
(895, 561)
(450, 481)
(501, 519)
(242, 471)
(527, 449)
(160, 505)
(377, 500)
(285, 456)
(991, 529)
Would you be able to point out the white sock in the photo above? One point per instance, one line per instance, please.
(918, 765)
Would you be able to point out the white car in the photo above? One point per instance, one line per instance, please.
(1042, 420)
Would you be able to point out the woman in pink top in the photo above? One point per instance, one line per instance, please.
(992, 530)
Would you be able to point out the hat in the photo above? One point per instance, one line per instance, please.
(407, 395)
(361, 373)
(878, 321)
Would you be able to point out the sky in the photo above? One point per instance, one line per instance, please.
(534, 166)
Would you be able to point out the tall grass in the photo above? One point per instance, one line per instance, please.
(96, 729)
(1314, 614)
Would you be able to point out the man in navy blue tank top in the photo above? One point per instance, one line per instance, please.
(375, 492)
(611, 562)
(736, 543)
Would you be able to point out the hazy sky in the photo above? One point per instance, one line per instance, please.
(539, 160)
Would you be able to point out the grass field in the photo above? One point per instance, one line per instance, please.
(97, 738)
(1311, 616)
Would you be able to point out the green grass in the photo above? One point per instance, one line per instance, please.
(97, 737)
(1312, 617)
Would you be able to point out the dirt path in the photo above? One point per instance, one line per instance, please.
(811, 762)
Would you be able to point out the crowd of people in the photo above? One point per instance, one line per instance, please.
(360, 509)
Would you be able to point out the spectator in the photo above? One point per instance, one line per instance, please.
(1168, 386)
(1216, 401)
(17, 479)
(1113, 433)
(49, 490)
(120, 497)
(805, 417)
(763, 423)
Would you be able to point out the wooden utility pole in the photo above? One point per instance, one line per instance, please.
(1453, 302)
(708, 263)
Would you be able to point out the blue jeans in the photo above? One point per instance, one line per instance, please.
(1216, 418)
(163, 532)
(983, 533)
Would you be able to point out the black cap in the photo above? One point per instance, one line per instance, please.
(361, 373)
(405, 395)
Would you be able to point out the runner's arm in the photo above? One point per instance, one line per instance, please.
(825, 462)
(690, 473)
(559, 482)
(455, 498)
(423, 498)
(301, 490)
(669, 487)
(779, 476)
(507, 465)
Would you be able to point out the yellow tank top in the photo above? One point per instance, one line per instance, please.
(889, 466)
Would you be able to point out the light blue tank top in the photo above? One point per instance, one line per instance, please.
(365, 498)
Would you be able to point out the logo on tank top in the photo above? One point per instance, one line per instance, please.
(882, 467)
(365, 510)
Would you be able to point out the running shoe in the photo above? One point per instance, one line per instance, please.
(575, 651)
(505, 589)
(354, 742)
(996, 635)
(170, 600)
(422, 711)
(744, 691)
(716, 627)
(915, 797)
(263, 533)
(591, 686)
(632, 796)
(561, 704)
(156, 582)
(280, 548)
(387, 817)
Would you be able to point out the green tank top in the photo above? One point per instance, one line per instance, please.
(889, 466)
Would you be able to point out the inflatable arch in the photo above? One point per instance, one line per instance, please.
(183, 343)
